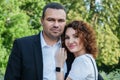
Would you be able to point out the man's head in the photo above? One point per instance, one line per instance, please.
(53, 21)
(52, 5)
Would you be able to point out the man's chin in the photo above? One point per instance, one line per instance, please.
(56, 37)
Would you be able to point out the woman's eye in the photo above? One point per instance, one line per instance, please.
(66, 37)
(76, 36)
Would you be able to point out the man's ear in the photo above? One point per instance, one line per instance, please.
(41, 22)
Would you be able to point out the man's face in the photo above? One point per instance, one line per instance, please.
(53, 23)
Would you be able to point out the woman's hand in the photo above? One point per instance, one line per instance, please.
(61, 57)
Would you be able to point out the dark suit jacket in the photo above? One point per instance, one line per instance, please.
(25, 61)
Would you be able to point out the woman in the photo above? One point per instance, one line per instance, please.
(79, 39)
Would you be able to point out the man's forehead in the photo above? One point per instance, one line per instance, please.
(55, 12)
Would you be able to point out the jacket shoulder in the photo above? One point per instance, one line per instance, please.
(28, 38)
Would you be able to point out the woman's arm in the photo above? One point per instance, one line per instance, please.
(60, 75)
(68, 78)
(60, 57)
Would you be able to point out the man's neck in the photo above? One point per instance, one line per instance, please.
(50, 41)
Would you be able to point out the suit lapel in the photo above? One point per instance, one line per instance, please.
(38, 58)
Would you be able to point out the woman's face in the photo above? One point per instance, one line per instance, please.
(73, 42)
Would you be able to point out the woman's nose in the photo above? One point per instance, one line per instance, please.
(71, 40)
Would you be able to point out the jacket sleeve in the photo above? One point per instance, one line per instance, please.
(13, 70)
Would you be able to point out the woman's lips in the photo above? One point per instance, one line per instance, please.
(71, 46)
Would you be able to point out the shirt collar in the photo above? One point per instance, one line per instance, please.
(43, 43)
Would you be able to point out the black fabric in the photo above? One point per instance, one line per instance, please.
(69, 61)
(25, 61)
(100, 77)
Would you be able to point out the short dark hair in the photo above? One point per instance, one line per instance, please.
(52, 5)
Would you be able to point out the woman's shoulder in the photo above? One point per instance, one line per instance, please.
(83, 57)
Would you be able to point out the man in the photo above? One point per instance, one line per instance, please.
(33, 57)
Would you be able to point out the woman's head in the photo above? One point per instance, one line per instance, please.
(79, 37)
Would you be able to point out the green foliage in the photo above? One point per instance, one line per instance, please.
(107, 29)
(33, 10)
(114, 75)
(1, 77)
(108, 46)
(75, 9)
(3, 59)
(20, 18)
(104, 17)
(17, 19)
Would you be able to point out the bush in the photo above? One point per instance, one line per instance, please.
(114, 75)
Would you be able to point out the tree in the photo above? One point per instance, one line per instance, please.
(104, 16)
(18, 18)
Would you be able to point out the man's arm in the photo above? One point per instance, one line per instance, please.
(13, 70)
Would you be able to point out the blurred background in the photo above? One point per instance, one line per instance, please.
(20, 18)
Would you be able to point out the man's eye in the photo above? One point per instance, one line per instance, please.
(61, 20)
(50, 19)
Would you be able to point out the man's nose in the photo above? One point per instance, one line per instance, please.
(56, 24)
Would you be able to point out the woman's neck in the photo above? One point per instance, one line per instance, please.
(82, 52)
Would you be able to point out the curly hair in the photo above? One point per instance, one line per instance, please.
(86, 33)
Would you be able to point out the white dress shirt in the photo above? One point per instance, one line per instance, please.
(48, 53)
